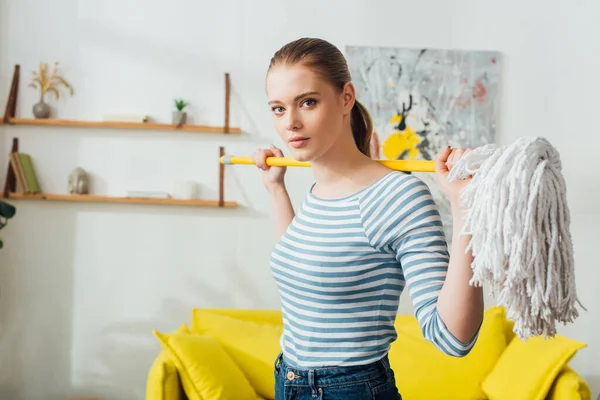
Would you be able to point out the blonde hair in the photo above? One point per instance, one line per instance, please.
(330, 64)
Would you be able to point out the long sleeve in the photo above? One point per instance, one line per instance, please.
(405, 221)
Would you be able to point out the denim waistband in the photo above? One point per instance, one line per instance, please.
(332, 376)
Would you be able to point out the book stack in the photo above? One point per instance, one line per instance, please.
(24, 173)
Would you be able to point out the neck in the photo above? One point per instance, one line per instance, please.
(339, 162)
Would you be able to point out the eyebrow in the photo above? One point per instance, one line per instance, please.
(297, 97)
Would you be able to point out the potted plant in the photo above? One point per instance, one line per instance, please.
(180, 116)
(7, 211)
(47, 82)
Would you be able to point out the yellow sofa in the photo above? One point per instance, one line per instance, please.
(229, 354)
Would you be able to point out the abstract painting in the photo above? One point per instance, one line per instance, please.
(424, 99)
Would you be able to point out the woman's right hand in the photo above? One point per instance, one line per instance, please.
(272, 176)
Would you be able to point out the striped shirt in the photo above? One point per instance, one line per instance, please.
(342, 265)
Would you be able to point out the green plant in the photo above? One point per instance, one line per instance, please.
(7, 211)
(180, 104)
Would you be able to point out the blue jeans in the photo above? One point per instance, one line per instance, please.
(374, 381)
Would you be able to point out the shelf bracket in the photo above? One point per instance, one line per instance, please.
(227, 100)
(221, 178)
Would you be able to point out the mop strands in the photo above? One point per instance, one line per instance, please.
(518, 219)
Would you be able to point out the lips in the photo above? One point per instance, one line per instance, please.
(297, 138)
(298, 141)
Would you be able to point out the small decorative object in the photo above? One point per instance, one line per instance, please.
(78, 181)
(180, 116)
(47, 82)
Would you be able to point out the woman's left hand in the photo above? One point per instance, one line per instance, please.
(443, 165)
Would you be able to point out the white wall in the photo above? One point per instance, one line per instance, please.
(83, 285)
(4, 77)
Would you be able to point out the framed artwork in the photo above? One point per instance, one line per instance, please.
(422, 100)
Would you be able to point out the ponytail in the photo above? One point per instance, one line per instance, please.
(362, 128)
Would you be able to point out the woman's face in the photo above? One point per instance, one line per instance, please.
(308, 112)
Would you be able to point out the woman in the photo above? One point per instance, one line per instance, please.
(363, 233)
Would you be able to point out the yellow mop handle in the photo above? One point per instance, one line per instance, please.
(399, 165)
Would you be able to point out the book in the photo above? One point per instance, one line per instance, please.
(22, 166)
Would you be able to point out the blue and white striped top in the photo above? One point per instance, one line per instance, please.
(342, 264)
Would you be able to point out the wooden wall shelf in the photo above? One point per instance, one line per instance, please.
(115, 199)
(10, 186)
(121, 125)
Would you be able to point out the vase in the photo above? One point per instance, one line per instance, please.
(41, 109)
(179, 117)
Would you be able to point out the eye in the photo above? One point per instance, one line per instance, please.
(277, 109)
(309, 102)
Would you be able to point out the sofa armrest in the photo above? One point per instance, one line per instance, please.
(569, 385)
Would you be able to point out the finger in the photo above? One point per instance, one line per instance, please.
(467, 151)
(271, 152)
(256, 157)
(458, 154)
(440, 162)
(450, 158)
(277, 152)
(260, 161)
(266, 154)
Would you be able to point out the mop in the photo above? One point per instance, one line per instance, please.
(518, 219)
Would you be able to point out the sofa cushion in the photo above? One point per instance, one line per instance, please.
(424, 372)
(254, 346)
(163, 380)
(569, 385)
(206, 370)
(530, 367)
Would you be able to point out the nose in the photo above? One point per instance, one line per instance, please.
(293, 122)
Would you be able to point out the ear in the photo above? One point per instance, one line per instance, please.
(348, 97)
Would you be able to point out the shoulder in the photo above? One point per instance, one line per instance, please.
(391, 209)
(397, 191)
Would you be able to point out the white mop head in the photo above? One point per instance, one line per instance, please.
(518, 219)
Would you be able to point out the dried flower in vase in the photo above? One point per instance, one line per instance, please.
(47, 82)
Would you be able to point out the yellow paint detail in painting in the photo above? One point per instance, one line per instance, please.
(400, 142)
(396, 118)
